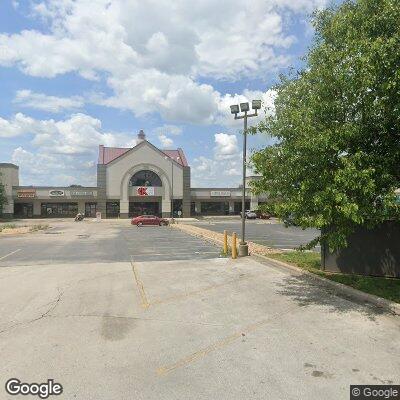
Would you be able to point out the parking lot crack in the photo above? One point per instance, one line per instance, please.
(53, 304)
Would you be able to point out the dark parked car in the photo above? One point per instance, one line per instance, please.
(262, 214)
(149, 220)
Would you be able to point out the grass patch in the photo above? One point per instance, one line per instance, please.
(388, 288)
(38, 227)
(7, 226)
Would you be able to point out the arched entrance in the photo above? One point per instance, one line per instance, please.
(145, 177)
(146, 193)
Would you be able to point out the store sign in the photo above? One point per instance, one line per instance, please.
(56, 193)
(220, 193)
(82, 193)
(145, 191)
(26, 193)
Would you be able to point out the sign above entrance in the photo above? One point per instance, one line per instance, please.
(26, 193)
(145, 191)
(220, 193)
(56, 193)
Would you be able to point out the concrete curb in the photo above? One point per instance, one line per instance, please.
(340, 288)
(217, 238)
(348, 291)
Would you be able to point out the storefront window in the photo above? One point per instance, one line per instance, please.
(112, 209)
(24, 210)
(145, 178)
(59, 209)
(238, 206)
(215, 207)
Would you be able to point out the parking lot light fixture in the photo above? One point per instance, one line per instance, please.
(234, 109)
(245, 108)
(256, 104)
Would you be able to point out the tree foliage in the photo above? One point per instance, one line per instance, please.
(336, 161)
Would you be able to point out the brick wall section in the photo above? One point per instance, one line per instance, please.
(218, 238)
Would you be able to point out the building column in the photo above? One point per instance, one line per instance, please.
(8, 208)
(124, 209)
(253, 202)
(166, 208)
(81, 206)
(186, 193)
(102, 189)
(37, 208)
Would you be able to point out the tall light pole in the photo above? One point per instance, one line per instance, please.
(245, 108)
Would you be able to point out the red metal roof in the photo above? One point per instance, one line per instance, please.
(108, 154)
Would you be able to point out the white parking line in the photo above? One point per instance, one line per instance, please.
(9, 254)
(175, 253)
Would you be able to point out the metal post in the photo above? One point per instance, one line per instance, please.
(225, 249)
(243, 247)
(234, 248)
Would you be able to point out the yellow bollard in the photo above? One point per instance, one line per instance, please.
(234, 248)
(225, 243)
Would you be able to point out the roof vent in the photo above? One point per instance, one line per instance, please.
(141, 136)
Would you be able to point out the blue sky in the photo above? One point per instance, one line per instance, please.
(78, 73)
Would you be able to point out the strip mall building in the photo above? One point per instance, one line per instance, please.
(130, 182)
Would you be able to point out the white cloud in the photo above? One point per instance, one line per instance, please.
(165, 141)
(16, 126)
(224, 168)
(167, 129)
(53, 104)
(78, 134)
(155, 53)
(68, 170)
(225, 146)
(65, 151)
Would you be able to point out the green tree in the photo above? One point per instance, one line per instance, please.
(3, 199)
(336, 161)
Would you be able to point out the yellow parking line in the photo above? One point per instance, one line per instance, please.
(199, 291)
(215, 346)
(220, 343)
(140, 286)
(9, 254)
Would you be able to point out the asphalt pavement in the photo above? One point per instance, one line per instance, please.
(271, 233)
(91, 308)
(89, 242)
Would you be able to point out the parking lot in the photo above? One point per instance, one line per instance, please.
(271, 233)
(110, 241)
(112, 311)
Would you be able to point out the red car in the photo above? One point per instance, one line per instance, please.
(149, 220)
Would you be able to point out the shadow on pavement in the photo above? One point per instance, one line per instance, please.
(307, 291)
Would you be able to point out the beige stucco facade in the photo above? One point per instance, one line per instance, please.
(163, 176)
(9, 176)
(143, 157)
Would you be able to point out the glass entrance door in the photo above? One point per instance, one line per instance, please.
(23, 210)
(90, 209)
